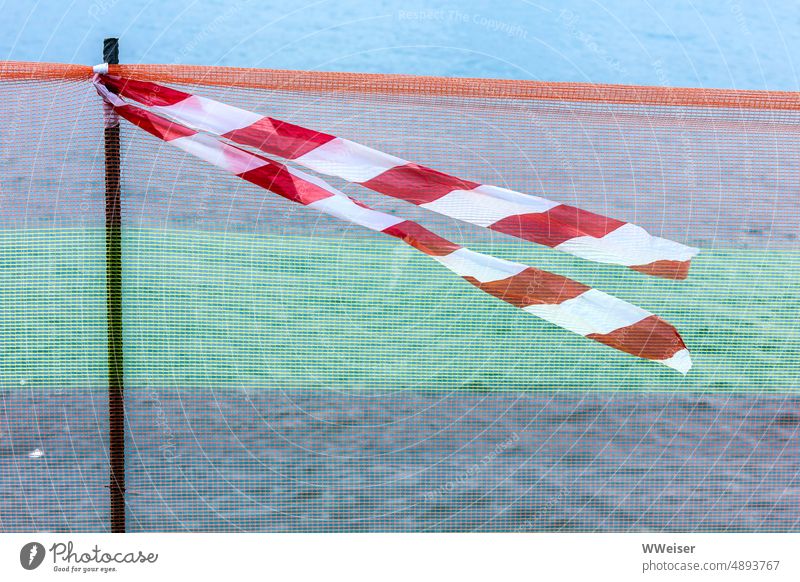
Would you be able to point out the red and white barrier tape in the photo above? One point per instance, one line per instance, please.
(554, 298)
(566, 228)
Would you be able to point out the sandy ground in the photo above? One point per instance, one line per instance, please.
(324, 460)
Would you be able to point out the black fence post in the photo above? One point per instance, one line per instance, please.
(116, 388)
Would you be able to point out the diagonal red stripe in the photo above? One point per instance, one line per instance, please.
(651, 338)
(417, 184)
(276, 178)
(153, 124)
(422, 239)
(279, 138)
(532, 287)
(665, 269)
(536, 227)
(585, 222)
(145, 93)
(553, 227)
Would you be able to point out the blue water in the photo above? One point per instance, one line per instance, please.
(414, 460)
(732, 44)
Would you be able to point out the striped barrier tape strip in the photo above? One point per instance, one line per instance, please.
(554, 298)
(581, 233)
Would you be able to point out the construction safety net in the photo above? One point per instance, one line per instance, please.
(290, 367)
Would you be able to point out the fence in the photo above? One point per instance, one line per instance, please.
(287, 371)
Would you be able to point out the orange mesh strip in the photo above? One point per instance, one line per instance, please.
(17, 70)
(410, 85)
(459, 87)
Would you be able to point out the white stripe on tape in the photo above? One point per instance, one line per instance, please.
(482, 267)
(343, 207)
(209, 115)
(628, 245)
(481, 207)
(681, 361)
(348, 160)
(526, 202)
(590, 312)
(211, 150)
